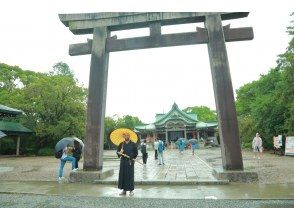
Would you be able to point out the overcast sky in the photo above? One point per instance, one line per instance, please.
(143, 82)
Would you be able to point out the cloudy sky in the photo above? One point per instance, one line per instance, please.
(143, 82)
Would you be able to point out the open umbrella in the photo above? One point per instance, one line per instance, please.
(193, 140)
(181, 139)
(2, 134)
(117, 136)
(67, 141)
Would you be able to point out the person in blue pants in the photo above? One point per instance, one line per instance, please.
(65, 157)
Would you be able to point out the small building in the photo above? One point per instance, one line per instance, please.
(10, 128)
(177, 124)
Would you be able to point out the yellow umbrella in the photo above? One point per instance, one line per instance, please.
(117, 136)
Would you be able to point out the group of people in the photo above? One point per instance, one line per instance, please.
(127, 152)
(182, 144)
(72, 154)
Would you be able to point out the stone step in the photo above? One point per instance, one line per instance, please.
(166, 182)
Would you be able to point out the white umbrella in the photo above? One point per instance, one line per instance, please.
(2, 134)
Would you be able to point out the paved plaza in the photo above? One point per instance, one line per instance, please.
(184, 177)
(178, 168)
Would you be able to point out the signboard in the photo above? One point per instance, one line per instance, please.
(289, 147)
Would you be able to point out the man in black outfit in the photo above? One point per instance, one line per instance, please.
(127, 151)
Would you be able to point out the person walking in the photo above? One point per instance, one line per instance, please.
(257, 145)
(156, 143)
(65, 157)
(160, 152)
(127, 151)
(144, 152)
(182, 146)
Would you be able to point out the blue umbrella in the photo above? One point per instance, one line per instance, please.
(181, 139)
(193, 140)
(67, 141)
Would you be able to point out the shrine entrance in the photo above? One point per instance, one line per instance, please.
(214, 35)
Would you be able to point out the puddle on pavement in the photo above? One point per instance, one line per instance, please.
(6, 169)
(231, 191)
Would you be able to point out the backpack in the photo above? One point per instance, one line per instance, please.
(58, 154)
(160, 147)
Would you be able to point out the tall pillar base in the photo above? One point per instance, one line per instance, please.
(89, 176)
(235, 175)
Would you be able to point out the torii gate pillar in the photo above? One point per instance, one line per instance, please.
(224, 95)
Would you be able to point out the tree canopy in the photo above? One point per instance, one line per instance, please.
(267, 104)
(203, 112)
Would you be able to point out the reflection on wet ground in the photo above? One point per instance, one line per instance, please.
(231, 191)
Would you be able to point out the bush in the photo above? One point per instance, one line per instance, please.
(46, 152)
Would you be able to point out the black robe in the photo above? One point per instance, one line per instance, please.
(126, 169)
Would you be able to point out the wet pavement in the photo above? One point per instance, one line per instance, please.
(184, 177)
(178, 168)
(231, 191)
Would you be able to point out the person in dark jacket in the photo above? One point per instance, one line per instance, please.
(127, 151)
(144, 151)
(77, 152)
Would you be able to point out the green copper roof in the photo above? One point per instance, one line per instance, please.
(10, 111)
(13, 128)
(206, 124)
(149, 127)
(176, 113)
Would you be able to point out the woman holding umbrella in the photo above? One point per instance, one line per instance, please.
(127, 151)
(65, 157)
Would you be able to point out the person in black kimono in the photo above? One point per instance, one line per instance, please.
(126, 169)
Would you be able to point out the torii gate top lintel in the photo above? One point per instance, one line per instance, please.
(83, 23)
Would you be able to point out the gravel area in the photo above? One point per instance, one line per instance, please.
(46, 201)
(271, 168)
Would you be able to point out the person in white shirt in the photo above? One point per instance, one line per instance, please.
(257, 145)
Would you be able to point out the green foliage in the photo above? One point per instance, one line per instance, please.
(111, 124)
(267, 105)
(46, 151)
(54, 104)
(203, 113)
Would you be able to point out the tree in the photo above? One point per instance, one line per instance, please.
(203, 113)
(54, 104)
(267, 105)
(61, 68)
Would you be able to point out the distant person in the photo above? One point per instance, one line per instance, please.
(194, 145)
(144, 152)
(65, 157)
(156, 143)
(182, 145)
(161, 148)
(77, 153)
(257, 146)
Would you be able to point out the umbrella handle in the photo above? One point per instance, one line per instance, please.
(127, 156)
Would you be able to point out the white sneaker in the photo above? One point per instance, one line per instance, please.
(60, 179)
(75, 169)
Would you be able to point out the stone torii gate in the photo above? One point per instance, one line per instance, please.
(214, 35)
